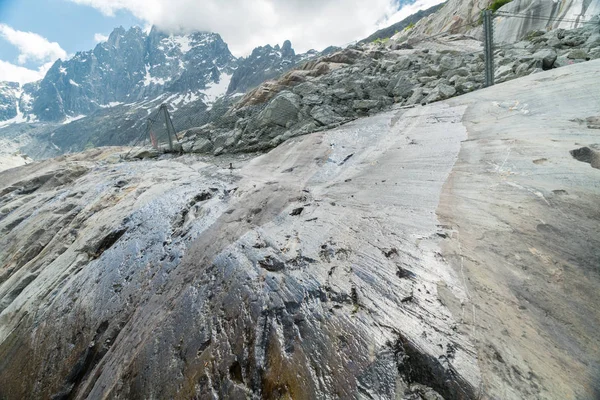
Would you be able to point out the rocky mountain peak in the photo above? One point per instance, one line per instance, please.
(131, 66)
(126, 77)
(115, 36)
(8, 99)
(264, 63)
(286, 49)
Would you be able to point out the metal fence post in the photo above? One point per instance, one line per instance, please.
(488, 47)
(168, 124)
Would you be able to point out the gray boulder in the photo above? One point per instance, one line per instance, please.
(325, 115)
(504, 72)
(187, 146)
(312, 99)
(342, 93)
(416, 97)
(457, 80)
(554, 42)
(460, 72)
(547, 57)
(145, 152)
(306, 89)
(440, 92)
(403, 63)
(403, 87)
(375, 91)
(448, 62)
(578, 54)
(427, 79)
(562, 61)
(595, 53)
(281, 110)
(573, 40)
(593, 41)
(466, 87)
(524, 69)
(365, 104)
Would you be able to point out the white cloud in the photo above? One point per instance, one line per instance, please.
(16, 73)
(32, 47)
(98, 37)
(246, 24)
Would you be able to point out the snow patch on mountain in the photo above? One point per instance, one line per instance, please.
(217, 89)
(152, 80)
(26, 100)
(190, 98)
(70, 119)
(183, 42)
(185, 98)
(20, 117)
(111, 104)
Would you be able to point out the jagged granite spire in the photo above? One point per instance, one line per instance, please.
(265, 62)
(130, 66)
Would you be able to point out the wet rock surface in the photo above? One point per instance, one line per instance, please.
(533, 260)
(385, 258)
(267, 280)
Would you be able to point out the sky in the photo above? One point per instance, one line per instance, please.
(35, 33)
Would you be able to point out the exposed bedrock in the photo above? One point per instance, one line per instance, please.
(447, 250)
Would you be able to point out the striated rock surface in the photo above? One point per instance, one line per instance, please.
(464, 17)
(528, 242)
(454, 17)
(542, 15)
(402, 26)
(176, 277)
(418, 253)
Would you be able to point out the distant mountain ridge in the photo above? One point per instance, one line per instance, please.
(133, 66)
(104, 96)
(265, 62)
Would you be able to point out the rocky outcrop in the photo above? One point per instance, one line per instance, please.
(182, 278)
(9, 100)
(381, 259)
(458, 16)
(546, 50)
(365, 79)
(265, 63)
(403, 26)
(539, 15)
(454, 17)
